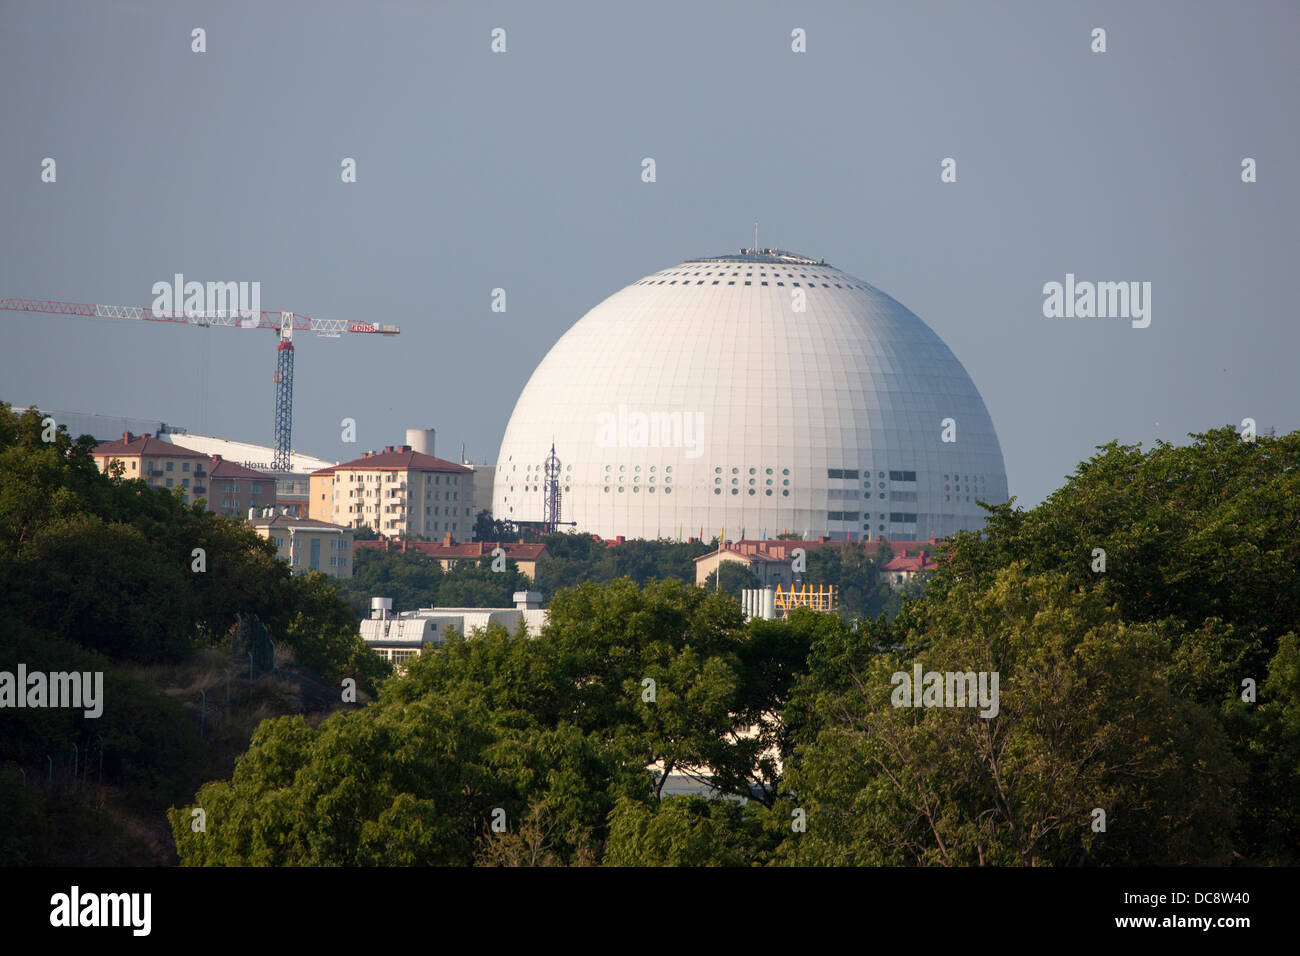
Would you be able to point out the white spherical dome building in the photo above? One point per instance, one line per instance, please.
(759, 393)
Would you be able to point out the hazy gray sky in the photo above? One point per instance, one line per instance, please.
(522, 170)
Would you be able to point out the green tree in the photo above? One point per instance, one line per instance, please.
(885, 784)
(688, 831)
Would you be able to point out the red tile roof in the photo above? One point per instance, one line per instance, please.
(131, 445)
(229, 469)
(781, 549)
(922, 562)
(514, 550)
(397, 459)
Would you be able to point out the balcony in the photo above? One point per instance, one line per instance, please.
(199, 490)
(200, 473)
(154, 473)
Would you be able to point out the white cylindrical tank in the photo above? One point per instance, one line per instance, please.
(380, 607)
(421, 439)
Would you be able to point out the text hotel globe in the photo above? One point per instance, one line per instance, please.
(759, 393)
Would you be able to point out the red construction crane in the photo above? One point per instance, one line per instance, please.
(283, 323)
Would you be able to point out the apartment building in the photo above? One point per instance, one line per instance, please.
(396, 491)
(158, 462)
(306, 544)
(235, 489)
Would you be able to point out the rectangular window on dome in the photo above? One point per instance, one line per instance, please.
(850, 473)
(834, 515)
(834, 473)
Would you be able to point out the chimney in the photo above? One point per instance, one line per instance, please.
(406, 448)
(447, 540)
(127, 437)
(388, 449)
(421, 440)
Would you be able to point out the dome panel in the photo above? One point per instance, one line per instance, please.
(814, 374)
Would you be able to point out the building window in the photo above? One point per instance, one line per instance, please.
(185, 482)
(169, 482)
(169, 466)
(185, 466)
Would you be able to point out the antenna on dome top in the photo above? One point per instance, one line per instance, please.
(755, 236)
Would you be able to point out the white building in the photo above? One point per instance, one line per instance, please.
(759, 393)
(398, 637)
(291, 489)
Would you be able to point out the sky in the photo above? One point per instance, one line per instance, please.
(522, 170)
